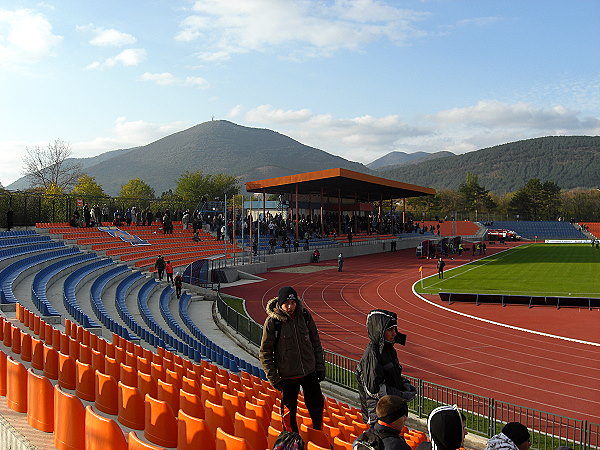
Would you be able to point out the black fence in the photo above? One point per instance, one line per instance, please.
(524, 300)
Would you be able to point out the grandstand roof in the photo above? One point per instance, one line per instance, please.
(343, 182)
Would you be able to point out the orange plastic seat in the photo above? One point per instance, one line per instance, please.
(193, 433)
(347, 430)
(318, 437)
(233, 404)
(191, 404)
(50, 363)
(16, 339)
(160, 423)
(217, 416)
(37, 354)
(131, 407)
(66, 371)
(173, 377)
(112, 367)
(190, 385)
(135, 443)
(143, 365)
(168, 393)
(128, 375)
(102, 433)
(69, 422)
(98, 361)
(106, 393)
(209, 393)
(331, 431)
(339, 444)
(40, 402)
(26, 347)
(55, 333)
(272, 435)
(7, 334)
(2, 373)
(359, 427)
(16, 385)
(146, 384)
(157, 371)
(258, 412)
(226, 441)
(85, 381)
(250, 429)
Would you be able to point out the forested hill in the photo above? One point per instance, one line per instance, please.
(569, 161)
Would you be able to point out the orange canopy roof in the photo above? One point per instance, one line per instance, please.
(343, 182)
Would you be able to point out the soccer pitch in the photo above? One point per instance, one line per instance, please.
(565, 270)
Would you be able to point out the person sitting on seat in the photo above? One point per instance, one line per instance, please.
(196, 237)
(316, 255)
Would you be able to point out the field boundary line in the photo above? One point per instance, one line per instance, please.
(493, 322)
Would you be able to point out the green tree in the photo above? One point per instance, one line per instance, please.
(88, 187)
(476, 197)
(193, 186)
(583, 205)
(536, 201)
(136, 188)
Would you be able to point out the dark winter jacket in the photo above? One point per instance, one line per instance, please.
(445, 429)
(392, 439)
(297, 351)
(379, 372)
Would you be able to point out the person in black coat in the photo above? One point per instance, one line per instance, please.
(379, 372)
(446, 429)
(392, 412)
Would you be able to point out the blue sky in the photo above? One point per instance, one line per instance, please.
(356, 78)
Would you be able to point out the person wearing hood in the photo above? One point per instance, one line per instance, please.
(514, 436)
(292, 356)
(379, 372)
(446, 429)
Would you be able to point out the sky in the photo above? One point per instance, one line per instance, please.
(356, 78)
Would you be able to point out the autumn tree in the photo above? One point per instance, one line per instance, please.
(46, 166)
(88, 187)
(136, 188)
(193, 186)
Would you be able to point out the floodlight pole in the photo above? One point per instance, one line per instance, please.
(225, 233)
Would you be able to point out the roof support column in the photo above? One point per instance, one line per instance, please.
(356, 210)
(339, 211)
(322, 219)
(296, 210)
(403, 211)
(380, 212)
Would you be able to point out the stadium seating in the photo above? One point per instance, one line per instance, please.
(540, 230)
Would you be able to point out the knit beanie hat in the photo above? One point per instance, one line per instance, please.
(517, 432)
(286, 293)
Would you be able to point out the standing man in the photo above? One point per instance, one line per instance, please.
(379, 372)
(440, 267)
(160, 267)
(292, 356)
(340, 262)
(169, 271)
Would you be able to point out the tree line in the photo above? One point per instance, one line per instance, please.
(50, 173)
(536, 200)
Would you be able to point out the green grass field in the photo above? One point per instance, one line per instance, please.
(566, 270)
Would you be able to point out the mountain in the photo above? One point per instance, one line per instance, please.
(402, 158)
(569, 161)
(213, 147)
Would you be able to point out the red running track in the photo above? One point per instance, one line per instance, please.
(523, 368)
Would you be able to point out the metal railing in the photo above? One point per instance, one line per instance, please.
(485, 415)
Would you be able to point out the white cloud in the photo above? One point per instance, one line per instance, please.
(126, 134)
(129, 57)
(227, 27)
(107, 37)
(25, 37)
(494, 114)
(362, 138)
(168, 79)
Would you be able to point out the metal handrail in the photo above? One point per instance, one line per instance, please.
(485, 415)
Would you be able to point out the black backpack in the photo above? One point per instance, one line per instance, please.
(368, 440)
(288, 440)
